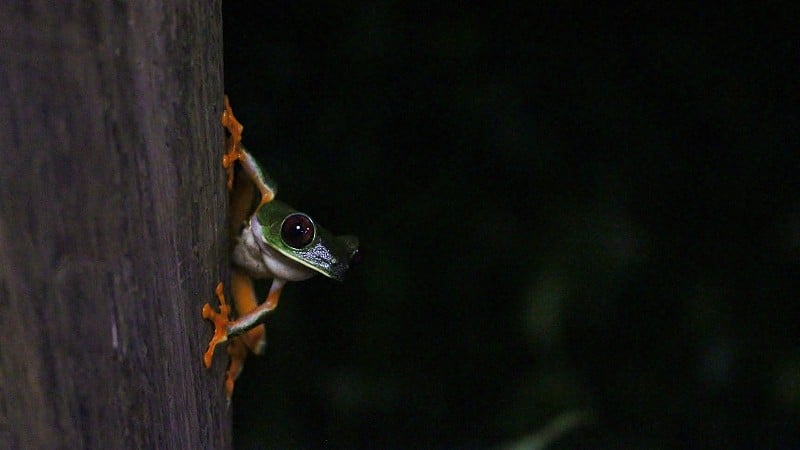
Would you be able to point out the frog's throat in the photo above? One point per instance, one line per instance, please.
(258, 230)
(279, 264)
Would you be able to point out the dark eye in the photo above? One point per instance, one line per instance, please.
(297, 230)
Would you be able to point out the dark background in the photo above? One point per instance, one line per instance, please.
(561, 209)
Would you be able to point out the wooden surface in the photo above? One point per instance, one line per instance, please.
(112, 224)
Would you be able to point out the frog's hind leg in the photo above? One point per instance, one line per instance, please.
(254, 339)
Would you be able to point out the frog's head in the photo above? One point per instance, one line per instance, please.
(296, 236)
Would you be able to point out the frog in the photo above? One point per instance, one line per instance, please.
(269, 240)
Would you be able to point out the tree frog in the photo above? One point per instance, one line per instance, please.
(270, 240)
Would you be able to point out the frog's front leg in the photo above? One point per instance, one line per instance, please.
(221, 320)
(259, 314)
(244, 298)
(245, 332)
(235, 151)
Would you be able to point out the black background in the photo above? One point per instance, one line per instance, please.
(562, 208)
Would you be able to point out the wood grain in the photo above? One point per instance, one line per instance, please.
(112, 224)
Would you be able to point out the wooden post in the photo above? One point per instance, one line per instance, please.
(112, 224)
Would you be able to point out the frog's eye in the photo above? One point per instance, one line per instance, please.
(297, 230)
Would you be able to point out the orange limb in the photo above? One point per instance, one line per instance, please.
(243, 333)
(237, 353)
(244, 298)
(274, 295)
(220, 320)
(259, 314)
(234, 151)
(233, 144)
(248, 330)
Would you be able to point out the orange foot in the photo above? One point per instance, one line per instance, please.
(220, 324)
(237, 351)
(233, 144)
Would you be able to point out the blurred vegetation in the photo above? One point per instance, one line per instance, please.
(561, 209)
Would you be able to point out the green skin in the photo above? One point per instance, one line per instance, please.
(262, 252)
(326, 254)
